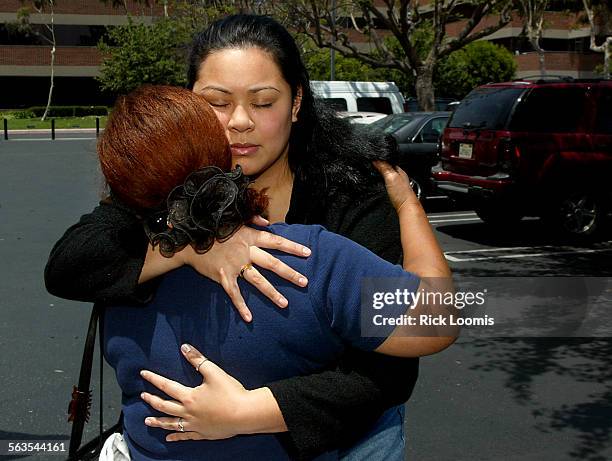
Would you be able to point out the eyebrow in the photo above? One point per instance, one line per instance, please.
(252, 90)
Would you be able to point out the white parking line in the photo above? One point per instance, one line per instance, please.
(454, 220)
(538, 253)
(436, 216)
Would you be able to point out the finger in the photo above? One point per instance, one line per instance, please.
(178, 436)
(164, 422)
(172, 388)
(194, 357)
(269, 240)
(208, 369)
(169, 407)
(254, 277)
(233, 291)
(267, 261)
(259, 220)
(383, 167)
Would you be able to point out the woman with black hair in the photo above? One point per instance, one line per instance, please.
(200, 201)
(315, 169)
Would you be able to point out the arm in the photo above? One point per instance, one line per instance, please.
(106, 258)
(329, 408)
(100, 258)
(322, 405)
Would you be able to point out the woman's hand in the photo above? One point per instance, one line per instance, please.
(217, 409)
(397, 183)
(226, 261)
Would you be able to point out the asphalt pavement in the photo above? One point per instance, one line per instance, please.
(482, 399)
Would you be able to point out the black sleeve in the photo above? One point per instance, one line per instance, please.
(100, 258)
(334, 408)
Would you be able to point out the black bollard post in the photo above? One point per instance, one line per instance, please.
(52, 129)
(97, 127)
(5, 129)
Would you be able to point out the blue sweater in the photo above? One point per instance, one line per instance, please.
(309, 335)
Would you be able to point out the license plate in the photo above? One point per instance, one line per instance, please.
(465, 150)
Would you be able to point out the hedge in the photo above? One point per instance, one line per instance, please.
(69, 111)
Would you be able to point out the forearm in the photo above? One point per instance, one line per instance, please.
(99, 259)
(422, 253)
(333, 409)
(155, 264)
(261, 413)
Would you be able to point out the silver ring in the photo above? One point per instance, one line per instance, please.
(181, 428)
(200, 364)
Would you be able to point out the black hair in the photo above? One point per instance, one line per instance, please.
(326, 151)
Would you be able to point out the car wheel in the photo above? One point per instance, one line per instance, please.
(579, 215)
(497, 214)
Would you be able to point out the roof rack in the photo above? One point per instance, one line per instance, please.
(546, 78)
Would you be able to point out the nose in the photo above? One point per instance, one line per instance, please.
(240, 120)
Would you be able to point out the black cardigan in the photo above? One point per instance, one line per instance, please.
(100, 259)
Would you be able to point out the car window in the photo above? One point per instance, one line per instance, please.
(432, 130)
(486, 108)
(550, 110)
(603, 120)
(393, 123)
(337, 104)
(382, 105)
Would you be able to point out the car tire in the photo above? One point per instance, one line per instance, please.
(578, 215)
(497, 214)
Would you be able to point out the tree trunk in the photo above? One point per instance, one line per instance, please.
(53, 42)
(535, 43)
(424, 87)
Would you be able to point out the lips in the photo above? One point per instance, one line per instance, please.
(244, 148)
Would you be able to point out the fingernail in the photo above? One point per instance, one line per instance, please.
(282, 301)
(143, 373)
(303, 281)
(142, 395)
(185, 348)
(306, 251)
(148, 421)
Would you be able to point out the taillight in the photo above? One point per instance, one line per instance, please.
(509, 156)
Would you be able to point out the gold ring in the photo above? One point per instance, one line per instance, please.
(200, 364)
(246, 267)
(181, 428)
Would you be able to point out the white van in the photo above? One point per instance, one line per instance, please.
(382, 97)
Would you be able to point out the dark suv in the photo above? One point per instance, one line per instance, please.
(539, 148)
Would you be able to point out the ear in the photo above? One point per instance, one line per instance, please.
(297, 102)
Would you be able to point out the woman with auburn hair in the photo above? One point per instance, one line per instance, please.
(315, 169)
(186, 204)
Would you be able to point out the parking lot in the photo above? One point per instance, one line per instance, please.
(485, 399)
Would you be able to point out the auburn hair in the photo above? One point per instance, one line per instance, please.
(154, 138)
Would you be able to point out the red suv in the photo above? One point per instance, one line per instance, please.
(539, 148)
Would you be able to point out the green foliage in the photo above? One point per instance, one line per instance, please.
(478, 63)
(317, 61)
(137, 53)
(66, 111)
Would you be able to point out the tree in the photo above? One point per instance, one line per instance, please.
(401, 18)
(24, 26)
(532, 12)
(317, 62)
(138, 53)
(606, 47)
(474, 65)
